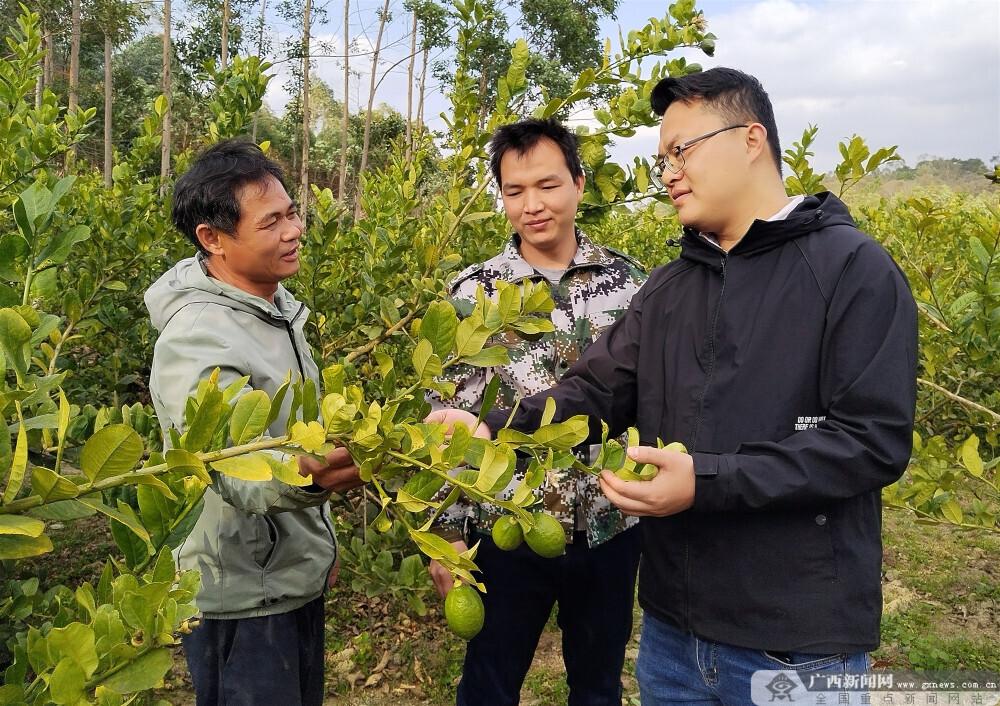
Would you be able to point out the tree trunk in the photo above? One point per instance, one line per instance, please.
(74, 57)
(371, 93)
(48, 66)
(342, 187)
(409, 89)
(107, 111)
(224, 58)
(423, 91)
(306, 123)
(260, 54)
(165, 146)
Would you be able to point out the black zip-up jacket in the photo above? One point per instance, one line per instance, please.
(788, 369)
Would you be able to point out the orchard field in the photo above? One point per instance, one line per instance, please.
(91, 604)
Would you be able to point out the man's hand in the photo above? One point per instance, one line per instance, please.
(452, 417)
(670, 491)
(337, 473)
(443, 581)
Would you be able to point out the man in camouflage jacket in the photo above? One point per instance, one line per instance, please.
(537, 167)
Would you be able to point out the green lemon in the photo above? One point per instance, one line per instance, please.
(463, 609)
(507, 533)
(546, 538)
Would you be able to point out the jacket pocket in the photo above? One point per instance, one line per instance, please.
(266, 541)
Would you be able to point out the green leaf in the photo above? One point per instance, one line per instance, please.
(423, 485)
(488, 357)
(564, 435)
(202, 428)
(21, 547)
(51, 486)
(187, 463)
(489, 398)
(75, 642)
(470, 337)
(156, 512)
(20, 525)
(496, 469)
(434, 547)
(66, 684)
(123, 514)
(250, 467)
(141, 674)
(276, 402)
(426, 362)
(549, 413)
(59, 247)
(114, 450)
(310, 401)
(61, 511)
(14, 334)
(439, 326)
(249, 418)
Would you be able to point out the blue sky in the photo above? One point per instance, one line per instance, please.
(920, 74)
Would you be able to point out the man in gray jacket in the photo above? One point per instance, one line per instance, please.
(265, 550)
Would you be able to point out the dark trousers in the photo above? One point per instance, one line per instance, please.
(595, 590)
(275, 659)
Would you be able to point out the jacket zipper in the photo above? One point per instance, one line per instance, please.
(694, 444)
(291, 337)
(711, 359)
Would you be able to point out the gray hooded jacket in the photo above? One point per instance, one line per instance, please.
(262, 548)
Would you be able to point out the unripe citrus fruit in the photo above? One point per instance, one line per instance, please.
(507, 533)
(463, 609)
(546, 538)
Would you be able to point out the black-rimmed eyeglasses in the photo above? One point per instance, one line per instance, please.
(673, 161)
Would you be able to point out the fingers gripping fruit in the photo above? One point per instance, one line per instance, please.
(463, 609)
(507, 533)
(645, 471)
(546, 538)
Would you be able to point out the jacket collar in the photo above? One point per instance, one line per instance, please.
(815, 212)
(587, 255)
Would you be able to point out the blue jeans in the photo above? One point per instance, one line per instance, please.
(595, 590)
(679, 668)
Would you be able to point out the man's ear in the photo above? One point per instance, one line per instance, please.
(581, 182)
(756, 141)
(209, 238)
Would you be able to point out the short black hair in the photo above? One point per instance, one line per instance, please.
(209, 192)
(736, 96)
(522, 137)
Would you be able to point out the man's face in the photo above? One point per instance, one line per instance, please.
(265, 248)
(715, 170)
(540, 195)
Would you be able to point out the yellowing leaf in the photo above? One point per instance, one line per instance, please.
(249, 467)
(288, 471)
(309, 436)
(21, 547)
(187, 463)
(970, 456)
(18, 524)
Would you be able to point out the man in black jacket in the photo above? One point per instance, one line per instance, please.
(780, 348)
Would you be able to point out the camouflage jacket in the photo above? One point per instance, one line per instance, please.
(593, 293)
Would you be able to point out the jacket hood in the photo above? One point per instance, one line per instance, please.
(815, 212)
(187, 283)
